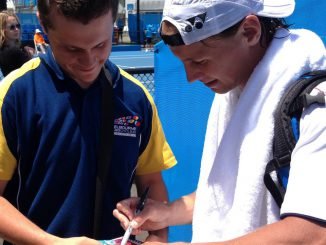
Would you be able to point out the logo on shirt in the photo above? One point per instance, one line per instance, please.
(126, 126)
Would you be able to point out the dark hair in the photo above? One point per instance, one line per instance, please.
(12, 58)
(80, 10)
(268, 29)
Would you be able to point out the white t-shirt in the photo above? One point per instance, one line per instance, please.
(308, 165)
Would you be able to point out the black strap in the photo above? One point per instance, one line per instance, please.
(105, 150)
(272, 182)
(290, 107)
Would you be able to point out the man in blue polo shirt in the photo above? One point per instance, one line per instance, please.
(50, 136)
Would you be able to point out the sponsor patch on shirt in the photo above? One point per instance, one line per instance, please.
(126, 126)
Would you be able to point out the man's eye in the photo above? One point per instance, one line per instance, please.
(72, 49)
(100, 45)
(200, 62)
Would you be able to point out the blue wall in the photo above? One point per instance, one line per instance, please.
(29, 23)
(310, 14)
(183, 109)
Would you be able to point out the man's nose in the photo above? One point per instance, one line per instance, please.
(87, 58)
(193, 74)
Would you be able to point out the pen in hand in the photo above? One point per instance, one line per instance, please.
(140, 206)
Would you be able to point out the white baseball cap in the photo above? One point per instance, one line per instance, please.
(200, 19)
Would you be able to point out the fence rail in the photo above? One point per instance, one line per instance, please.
(145, 76)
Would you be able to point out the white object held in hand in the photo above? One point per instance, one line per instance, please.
(139, 208)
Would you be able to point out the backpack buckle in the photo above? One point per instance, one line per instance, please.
(281, 161)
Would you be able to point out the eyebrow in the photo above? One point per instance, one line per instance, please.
(197, 59)
(79, 48)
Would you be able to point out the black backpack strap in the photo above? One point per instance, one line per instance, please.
(305, 100)
(290, 108)
(273, 183)
(105, 150)
(291, 105)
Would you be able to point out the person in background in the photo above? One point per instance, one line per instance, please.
(39, 42)
(148, 37)
(10, 32)
(11, 59)
(120, 24)
(51, 133)
(10, 38)
(244, 52)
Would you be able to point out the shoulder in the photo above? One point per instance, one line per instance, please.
(307, 175)
(303, 33)
(127, 82)
(320, 88)
(135, 86)
(19, 81)
(304, 48)
(313, 119)
(30, 65)
(306, 36)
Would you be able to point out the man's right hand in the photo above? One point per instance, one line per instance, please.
(153, 217)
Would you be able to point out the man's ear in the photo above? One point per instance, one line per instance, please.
(251, 29)
(41, 23)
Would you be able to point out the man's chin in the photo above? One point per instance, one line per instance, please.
(220, 90)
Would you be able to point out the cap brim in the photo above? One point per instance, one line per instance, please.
(277, 8)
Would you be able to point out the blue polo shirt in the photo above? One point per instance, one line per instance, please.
(49, 138)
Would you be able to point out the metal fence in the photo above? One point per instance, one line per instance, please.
(145, 76)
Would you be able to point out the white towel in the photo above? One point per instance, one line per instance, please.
(231, 198)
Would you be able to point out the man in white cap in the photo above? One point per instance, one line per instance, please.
(243, 51)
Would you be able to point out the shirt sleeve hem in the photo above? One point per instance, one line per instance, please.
(309, 217)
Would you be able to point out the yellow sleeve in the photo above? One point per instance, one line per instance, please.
(157, 155)
(7, 160)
